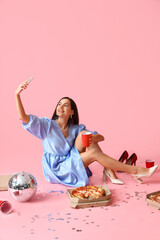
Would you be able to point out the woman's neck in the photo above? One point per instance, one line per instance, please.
(63, 123)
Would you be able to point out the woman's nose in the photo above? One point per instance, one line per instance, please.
(61, 107)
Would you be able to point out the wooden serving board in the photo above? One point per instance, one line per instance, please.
(4, 182)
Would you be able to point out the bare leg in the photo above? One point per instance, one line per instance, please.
(78, 144)
(94, 153)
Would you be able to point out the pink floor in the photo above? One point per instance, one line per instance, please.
(49, 216)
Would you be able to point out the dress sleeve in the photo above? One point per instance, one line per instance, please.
(93, 132)
(38, 127)
(82, 127)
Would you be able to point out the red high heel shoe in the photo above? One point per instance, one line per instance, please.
(132, 159)
(123, 156)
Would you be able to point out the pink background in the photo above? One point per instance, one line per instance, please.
(106, 56)
(103, 54)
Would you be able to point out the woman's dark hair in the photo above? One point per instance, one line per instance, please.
(75, 117)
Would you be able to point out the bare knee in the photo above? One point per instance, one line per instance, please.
(91, 155)
(95, 153)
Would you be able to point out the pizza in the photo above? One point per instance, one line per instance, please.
(155, 197)
(88, 192)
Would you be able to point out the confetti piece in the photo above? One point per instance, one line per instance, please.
(52, 191)
(49, 215)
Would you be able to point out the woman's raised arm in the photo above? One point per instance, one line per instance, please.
(20, 109)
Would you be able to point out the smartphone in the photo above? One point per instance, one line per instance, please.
(30, 79)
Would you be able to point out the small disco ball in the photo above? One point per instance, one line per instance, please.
(22, 186)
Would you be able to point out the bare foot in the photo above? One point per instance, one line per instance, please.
(142, 171)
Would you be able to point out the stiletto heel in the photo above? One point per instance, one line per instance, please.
(138, 177)
(132, 160)
(104, 176)
(113, 180)
(123, 156)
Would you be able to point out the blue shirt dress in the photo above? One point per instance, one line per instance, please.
(61, 160)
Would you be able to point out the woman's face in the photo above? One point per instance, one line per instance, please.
(64, 108)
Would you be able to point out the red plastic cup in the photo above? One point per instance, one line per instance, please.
(149, 163)
(85, 138)
(5, 207)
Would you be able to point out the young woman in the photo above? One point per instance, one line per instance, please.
(65, 160)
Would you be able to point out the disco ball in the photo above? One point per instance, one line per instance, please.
(22, 186)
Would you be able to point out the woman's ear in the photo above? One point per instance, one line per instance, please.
(72, 112)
